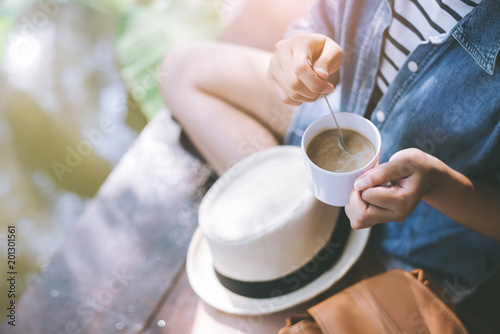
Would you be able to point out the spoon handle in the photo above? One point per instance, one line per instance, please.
(341, 138)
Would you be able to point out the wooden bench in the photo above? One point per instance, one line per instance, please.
(119, 267)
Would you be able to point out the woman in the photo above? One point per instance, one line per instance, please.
(425, 72)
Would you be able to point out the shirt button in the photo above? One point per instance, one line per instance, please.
(380, 115)
(412, 66)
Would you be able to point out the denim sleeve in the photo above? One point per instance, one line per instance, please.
(320, 19)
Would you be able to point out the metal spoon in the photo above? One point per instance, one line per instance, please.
(341, 138)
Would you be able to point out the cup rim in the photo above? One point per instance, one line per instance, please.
(370, 124)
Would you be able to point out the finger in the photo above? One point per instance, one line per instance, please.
(330, 58)
(324, 53)
(286, 99)
(291, 83)
(313, 79)
(311, 49)
(355, 209)
(376, 215)
(346, 210)
(382, 197)
(386, 172)
(282, 95)
(363, 214)
(277, 80)
(348, 206)
(295, 80)
(297, 90)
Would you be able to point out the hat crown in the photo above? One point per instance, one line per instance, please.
(246, 206)
(264, 223)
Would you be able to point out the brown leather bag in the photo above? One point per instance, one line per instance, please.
(392, 302)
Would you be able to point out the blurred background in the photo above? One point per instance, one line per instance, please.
(78, 82)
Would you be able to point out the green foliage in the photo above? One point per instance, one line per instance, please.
(146, 33)
(112, 8)
(5, 25)
(11, 10)
(14, 8)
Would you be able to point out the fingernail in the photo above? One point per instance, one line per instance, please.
(322, 73)
(363, 183)
(328, 90)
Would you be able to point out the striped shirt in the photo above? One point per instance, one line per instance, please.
(413, 22)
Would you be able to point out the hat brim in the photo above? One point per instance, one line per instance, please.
(204, 282)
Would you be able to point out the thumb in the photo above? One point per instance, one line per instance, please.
(329, 60)
(384, 174)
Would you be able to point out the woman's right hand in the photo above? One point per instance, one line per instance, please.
(292, 77)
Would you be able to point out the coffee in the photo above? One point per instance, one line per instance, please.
(324, 150)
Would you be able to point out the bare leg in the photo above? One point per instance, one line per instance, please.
(220, 95)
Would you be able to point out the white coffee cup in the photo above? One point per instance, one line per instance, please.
(330, 187)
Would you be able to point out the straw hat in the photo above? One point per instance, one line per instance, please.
(264, 243)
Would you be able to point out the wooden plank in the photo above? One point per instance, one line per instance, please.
(183, 312)
(127, 247)
(178, 312)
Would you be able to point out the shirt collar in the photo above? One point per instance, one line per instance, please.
(479, 34)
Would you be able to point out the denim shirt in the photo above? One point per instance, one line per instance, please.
(445, 100)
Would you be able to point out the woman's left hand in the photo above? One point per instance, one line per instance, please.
(392, 190)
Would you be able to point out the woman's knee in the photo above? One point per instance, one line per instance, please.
(185, 71)
(174, 71)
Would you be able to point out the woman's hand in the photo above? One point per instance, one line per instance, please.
(291, 76)
(391, 191)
